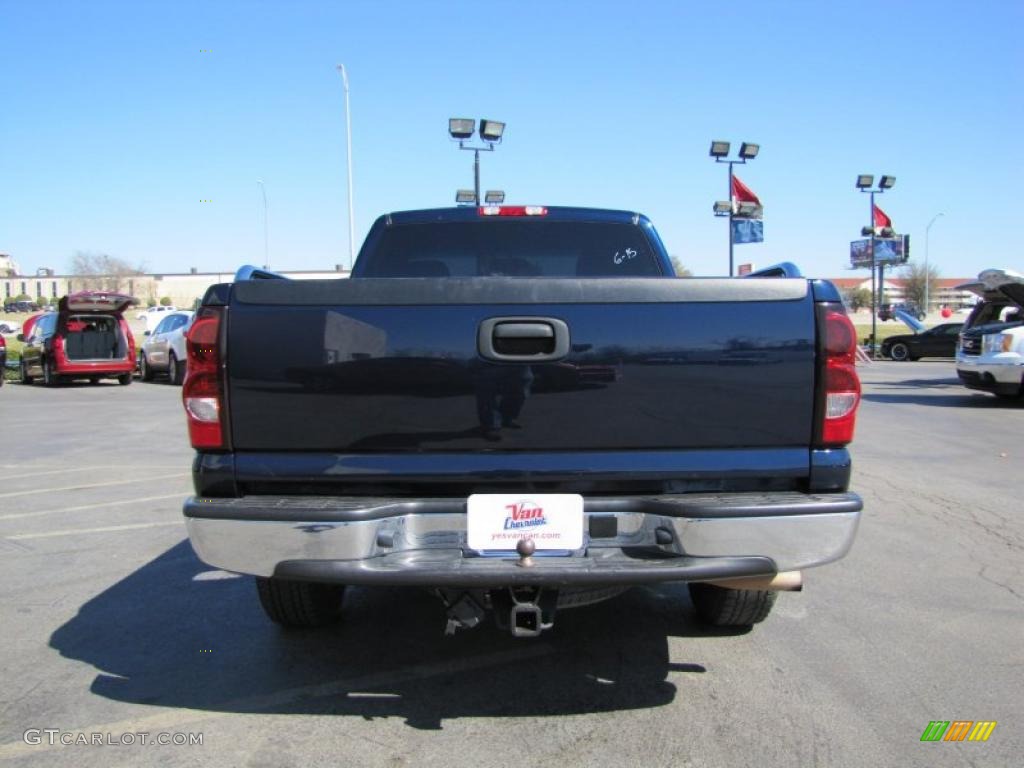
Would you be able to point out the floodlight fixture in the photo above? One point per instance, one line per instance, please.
(461, 128)
(719, 149)
(867, 231)
(494, 196)
(865, 180)
(749, 151)
(887, 182)
(491, 130)
(722, 207)
(886, 232)
(465, 196)
(749, 210)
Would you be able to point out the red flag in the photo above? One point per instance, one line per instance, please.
(741, 192)
(881, 219)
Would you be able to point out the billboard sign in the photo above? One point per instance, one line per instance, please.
(888, 251)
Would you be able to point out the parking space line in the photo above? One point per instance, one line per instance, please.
(104, 529)
(68, 470)
(91, 485)
(19, 515)
(355, 687)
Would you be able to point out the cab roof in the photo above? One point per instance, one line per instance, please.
(551, 213)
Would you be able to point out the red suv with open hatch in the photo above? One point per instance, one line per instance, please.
(86, 338)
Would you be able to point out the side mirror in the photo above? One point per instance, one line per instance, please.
(21, 337)
(147, 333)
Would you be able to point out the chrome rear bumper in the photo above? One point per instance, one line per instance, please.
(626, 541)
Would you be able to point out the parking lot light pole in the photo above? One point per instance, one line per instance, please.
(720, 151)
(266, 240)
(461, 129)
(927, 274)
(348, 163)
(865, 183)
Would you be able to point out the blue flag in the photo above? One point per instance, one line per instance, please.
(747, 231)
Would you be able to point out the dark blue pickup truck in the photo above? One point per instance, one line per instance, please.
(520, 409)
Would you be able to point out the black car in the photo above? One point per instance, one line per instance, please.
(939, 341)
(888, 311)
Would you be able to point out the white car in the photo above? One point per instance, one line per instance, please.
(990, 356)
(9, 326)
(164, 348)
(154, 315)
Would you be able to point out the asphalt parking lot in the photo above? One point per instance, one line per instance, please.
(111, 625)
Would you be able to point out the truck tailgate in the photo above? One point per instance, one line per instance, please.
(395, 366)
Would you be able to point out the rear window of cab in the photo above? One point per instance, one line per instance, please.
(513, 248)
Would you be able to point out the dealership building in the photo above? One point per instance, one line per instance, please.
(893, 290)
(182, 288)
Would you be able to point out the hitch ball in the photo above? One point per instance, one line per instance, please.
(525, 548)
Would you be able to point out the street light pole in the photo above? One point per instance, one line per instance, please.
(348, 143)
(927, 274)
(266, 241)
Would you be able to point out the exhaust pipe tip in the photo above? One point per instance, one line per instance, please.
(784, 581)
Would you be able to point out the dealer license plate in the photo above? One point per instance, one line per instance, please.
(497, 521)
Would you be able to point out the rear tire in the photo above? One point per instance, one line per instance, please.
(50, 379)
(175, 370)
(723, 607)
(300, 604)
(125, 380)
(144, 369)
(899, 352)
(25, 378)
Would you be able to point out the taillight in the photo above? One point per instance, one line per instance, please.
(839, 383)
(202, 391)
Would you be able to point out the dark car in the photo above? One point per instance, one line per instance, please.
(21, 306)
(3, 359)
(87, 338)
(888, 311)
(939, 341)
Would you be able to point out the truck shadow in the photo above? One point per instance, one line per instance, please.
(174, 633)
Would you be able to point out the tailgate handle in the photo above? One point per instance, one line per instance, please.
(523, 331)
(523, 339)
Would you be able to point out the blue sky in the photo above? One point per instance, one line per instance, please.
(117, 122)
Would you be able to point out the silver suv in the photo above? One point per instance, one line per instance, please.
(164, 348)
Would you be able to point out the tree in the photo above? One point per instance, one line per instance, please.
(102, 272)
(914, 281)
(165, 301)
(680, 270)
(857, 298)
